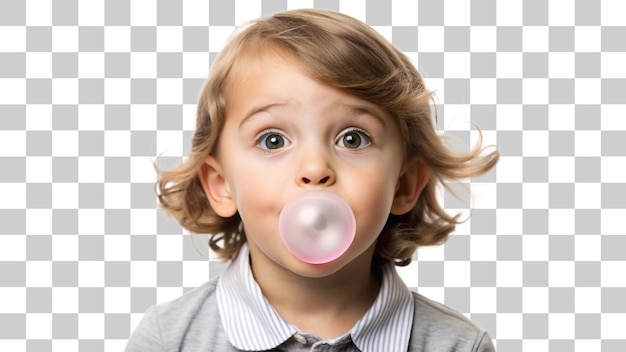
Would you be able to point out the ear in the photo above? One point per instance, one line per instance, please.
(216, 188)
(410, 185)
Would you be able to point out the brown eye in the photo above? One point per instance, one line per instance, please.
(353, 139)
(272, 141)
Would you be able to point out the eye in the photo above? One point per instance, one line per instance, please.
(354, 139)
(272, 140)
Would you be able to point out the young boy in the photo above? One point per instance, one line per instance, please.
(312, 100)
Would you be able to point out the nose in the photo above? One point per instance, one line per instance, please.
(315, 170)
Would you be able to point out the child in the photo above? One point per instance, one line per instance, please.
(312, 100)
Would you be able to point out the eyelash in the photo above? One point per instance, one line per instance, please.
(262, 137)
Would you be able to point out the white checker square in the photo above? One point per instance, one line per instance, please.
(612, 65)
(483, 300)
(385, 31)
(509, 326)
(535, 299)
(38, 326)
(189, 117)
(612, 326)
(65, 300)
(13, 143)
(143, 65)
(93, 117)
(561, 118)
(65, 345)
(535, 91)
(612, 14)
(612, 222)
(588, 143)
(170, 143)
(509, 274)
(536, 39)
(510, 169)
(91, 274)
(116, 248)
(247, 10)
(561, 13)
(588, 300)
(588, 195)
(403, 13)
(13, 298)
(12, 91)
(141, 170)
(457, 118)
(69, 198)
(436, 294)
(117, 91)
(510, 15)
(535, 345)
(561, 65)
(65, 248)
(430, 39)
(613, 169)
(38, 65)
(588, 248)
(195, 12)
(169, 248)
(92, 15)
(117, 143)
(457, 274)
(38, 222)
(355, 9)
(91, 169)
(535, 143)
(38, 274)
(430, 253)
(117, 195)
(13, 39)
(509, 65)
(90, 221)
(166, 294)
(13, 345)
(143, 274)
(169, 39)
(65, 39)
(90, 65)
(535, 196)
(483, 39)
(561, 221)
(561, 274)
(562, 169)
(195, 273)
(509, 117)
(483, 247)
(509, 221)
(38, 13)
(612, 274)
(456, 13)
(483, 195)
(587, 91)
(65, 91)
(299, 4)
(535, 248)
(143, 13)
(117, 39)
(562, 326)
(613, 117)
(218, 36)
(144, 124)
(117, 299)
(409, 274)
(457, 65)
(587, 38)
(91, 326)
(170, 91)
(483, 91)
(195, 65)
(12, 248)
(143, 222)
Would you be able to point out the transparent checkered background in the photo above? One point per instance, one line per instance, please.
(91, 94)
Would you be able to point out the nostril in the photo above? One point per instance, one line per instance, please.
(325, 179)
(306, 180)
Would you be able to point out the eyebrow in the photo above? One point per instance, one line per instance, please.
(257, 110)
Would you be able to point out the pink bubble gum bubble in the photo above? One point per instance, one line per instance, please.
(317, 227)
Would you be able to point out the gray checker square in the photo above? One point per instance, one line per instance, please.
(561, 247)
(535, 274)
(13, 326)
(535, 326)
(509, 300)
(116, 274)
(405, 38)
(329, 4)
(192, 88)
(457, 91)
(65, 221)
(430, 13)
(562, 300)
(483, 65)
(588, 326)
(91, 91)
(169, 65)
(613, 90)
(509, 195)
(14, 170)
(13, 275)
(13, 221)
(65, 13)
(430, 274)
(509, 247)
(483, 13)
(64, 274)
(117, 221)
(456, 39)
(91, 299)
(117, 117)
(38, 39)
(483, 221)
(141, 298)
(613, 143)
(588, 274)
(378, 13)
(561, 91)
(482, 274)
(588, 221)
(39, 195)
(39, 300)
(457, 248)
(509, 39)
(116, 326)
(561, 143)
(64, 117)
(511, 345)
(116, 169)
(535, 13)
(484, 116)
(195, 39)
(587, 169)
(457, 196)
(613, 247)
(613, 38)
(143, 39)
(431, 64)
(38, 91)
(143, 143)
(486, 321)
(169, 13)
(169, 274)
(535, 65)
(588, 65)
(535, 117)
(535, 169)
(117, 65)
(38, 247)
(143, 247)
(91, 195)
(17, 120)
(167, 225)
(613, 300)
(143, 91)
(90, 39)
(142, 196)
(457, 298)
(116, 13)
(39, 346)
(222, 13)
(39, 143)
(509, 91)
(91, 345)
(561, 39)
(169, 117)
(587, 13)
(561, 195)
(13, 13)
(91, 247)
(13, 65)
(613, 195)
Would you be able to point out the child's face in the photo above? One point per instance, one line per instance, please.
(285, 134)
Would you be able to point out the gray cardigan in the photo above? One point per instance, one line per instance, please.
(192, 323)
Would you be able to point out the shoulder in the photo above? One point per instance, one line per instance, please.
(187, 323)
(437, 327)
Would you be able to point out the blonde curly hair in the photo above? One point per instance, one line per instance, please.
(346, 54)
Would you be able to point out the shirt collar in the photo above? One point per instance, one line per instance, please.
(251, 323)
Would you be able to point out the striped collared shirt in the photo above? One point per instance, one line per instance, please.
(252, 324)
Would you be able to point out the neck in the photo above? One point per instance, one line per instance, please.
(327, 306)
